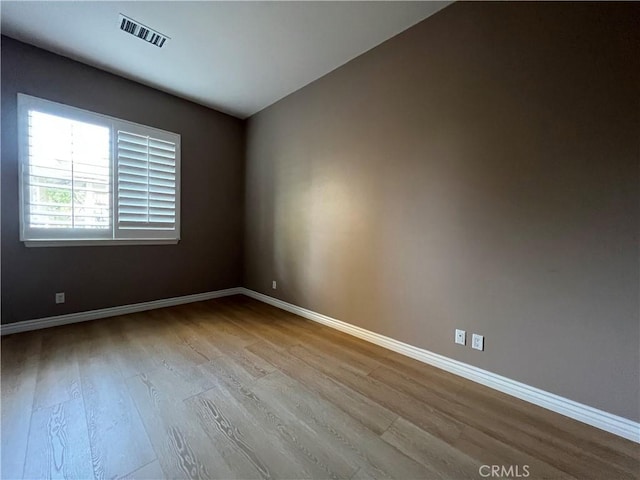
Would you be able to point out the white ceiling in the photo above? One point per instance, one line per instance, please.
(237, 57)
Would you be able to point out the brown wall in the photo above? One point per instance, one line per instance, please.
(209, 256)
(478, 171)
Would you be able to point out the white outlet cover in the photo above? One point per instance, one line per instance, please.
(60, 297)
(460, 337)
(273, 285)
(477, 342)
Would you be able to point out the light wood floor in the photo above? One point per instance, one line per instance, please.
(233, 388)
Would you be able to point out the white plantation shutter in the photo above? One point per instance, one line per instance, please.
(147, 184)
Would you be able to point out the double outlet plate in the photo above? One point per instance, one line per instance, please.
(477, 341)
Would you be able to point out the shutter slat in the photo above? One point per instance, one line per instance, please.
(153, 182)
(162, 144)
(133, 169)
(161, 204)
(128, 194)
(142, 210)
(164, 177)
(161, 154)
(131, 162)
(162, 169)
(130, 218)
(131, 138)
(161, 196)
(163, 190)
(165, 214)
(132, 181)
(131, 155)
(130, 201)
(166, 220)
(142, 221)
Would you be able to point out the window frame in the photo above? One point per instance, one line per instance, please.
(78, 237)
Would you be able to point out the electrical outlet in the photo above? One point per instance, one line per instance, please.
(273, 285)
(60, 297)
(460, 337)
(477, 342)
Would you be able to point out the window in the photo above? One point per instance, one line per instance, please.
(91, 179)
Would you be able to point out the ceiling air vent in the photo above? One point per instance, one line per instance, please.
(141, 31)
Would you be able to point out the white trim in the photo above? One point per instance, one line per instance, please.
(47, 322)
(92, 243)
(592, 416)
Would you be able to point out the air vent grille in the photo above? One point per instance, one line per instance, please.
(141, 31)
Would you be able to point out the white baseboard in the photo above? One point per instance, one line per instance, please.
(605, 421)
(47, 322)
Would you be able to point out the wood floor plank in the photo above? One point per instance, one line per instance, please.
(128, 348)
(162, 344)
(504, 424)
(181, 446)
(574, 462)
(490, 451)
(444, 382)
(371, 414)
(443, 460)
(359, 356)
(194, 338)
(117, 438)
(215, 317)
(350, 359)
(58, 378)
(294, 322)
(431, 392)
(321, 459)
(251, 448)
(426, 417)
(357, 443)
(19, 368)
(181, 382)
(231, 341)
(151, 471)
(565, 434)
(59, 443)
(229, 439)
(264, 330)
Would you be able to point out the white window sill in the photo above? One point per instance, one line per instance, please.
(96, 243)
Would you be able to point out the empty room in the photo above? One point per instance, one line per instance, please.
(320, 240)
